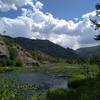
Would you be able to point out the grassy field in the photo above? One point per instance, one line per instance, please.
(63, 69)
(57, 69)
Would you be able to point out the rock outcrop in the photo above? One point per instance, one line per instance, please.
(4, 52)
(8, 48)
(26, 58)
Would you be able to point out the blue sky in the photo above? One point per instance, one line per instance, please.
(66, 9)
(50, 19)
(69, 9)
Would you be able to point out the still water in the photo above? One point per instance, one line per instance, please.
(48, 81)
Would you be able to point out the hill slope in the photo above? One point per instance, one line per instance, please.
(88, 51)
(46, 47)
(13, 54)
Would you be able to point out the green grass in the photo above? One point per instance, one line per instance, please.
(70, 70)
(5, 69)
(79, 89)
(57, 69)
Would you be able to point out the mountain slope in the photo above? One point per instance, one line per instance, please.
(47, 47)
(88, 51)
(13, 54)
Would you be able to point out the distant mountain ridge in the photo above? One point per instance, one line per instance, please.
(46, 50)
(88, 51)
(46, 47)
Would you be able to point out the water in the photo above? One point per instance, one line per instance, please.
(44, 81)
(36, 78)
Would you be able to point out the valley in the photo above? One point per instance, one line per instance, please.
(49, 50)
(36, 69)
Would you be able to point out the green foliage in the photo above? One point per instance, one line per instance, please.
(43, 58)
(3, 62)
(34, 98)
(5, 69)
(90, 90)
(18, 63)
(79, 89)
(76, 82)
(13, 90)
(9, 93)
(38, 98)
(61, 94)
(10, 63)
(13, 53)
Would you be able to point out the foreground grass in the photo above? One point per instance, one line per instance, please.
(84, 83)
(87, 89)
(13, 90)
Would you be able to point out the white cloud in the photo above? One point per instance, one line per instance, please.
(65, 40)
(90, 14)
(34, 23)
(39, 5)
(6, 5)
(21, 26)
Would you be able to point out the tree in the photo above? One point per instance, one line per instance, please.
(95, 23)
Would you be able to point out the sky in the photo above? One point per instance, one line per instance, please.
(64, 22)
(69, 9)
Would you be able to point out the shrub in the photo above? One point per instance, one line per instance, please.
(13, 53)
(9, 63)
(61, 94)
(18, 63)
(76, 82)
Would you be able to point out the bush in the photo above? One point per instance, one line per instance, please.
(76, 82)
(4, 62)
(61, 94)
(18, 63)
(38, 98)
(13, 53)
(9, 63)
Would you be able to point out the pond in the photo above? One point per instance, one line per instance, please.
(36, 78)
(40, 79)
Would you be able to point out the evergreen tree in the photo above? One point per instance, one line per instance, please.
(95, 23)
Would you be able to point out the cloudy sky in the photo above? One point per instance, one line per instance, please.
(65, 22)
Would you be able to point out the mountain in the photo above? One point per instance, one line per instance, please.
(88, 51)
(29, 52)
(12, 54)
(46, 47)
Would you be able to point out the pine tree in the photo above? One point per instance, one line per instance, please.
(95, 23)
